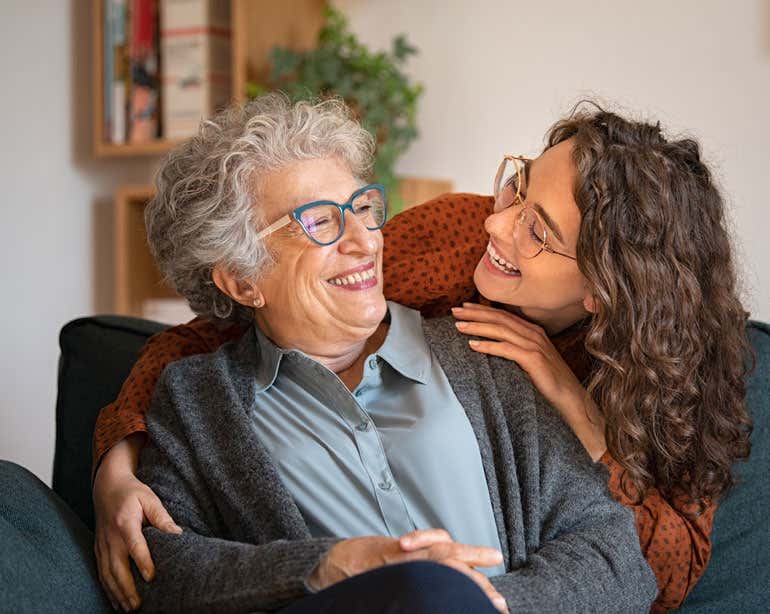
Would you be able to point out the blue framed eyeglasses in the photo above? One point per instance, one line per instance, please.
(323, 221)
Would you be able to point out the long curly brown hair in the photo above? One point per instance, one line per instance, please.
(669, 334)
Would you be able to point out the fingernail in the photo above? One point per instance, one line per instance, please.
(406, 541)
(473, 343)
(456, 309)
(499, 602)
(460, 325)
(145, 574)
(134, 603)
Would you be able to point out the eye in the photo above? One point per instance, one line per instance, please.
(512, 182)
(319, 222)
(532, 231)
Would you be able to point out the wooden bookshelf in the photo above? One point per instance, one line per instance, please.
(256, 27)
(137, 278)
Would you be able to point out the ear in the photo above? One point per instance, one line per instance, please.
(589, 303)
(240, 290)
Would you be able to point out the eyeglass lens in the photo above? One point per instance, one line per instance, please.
(529, 233)
(323, 222)
(509, 183)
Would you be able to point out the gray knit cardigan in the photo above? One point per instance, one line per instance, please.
(567, 546)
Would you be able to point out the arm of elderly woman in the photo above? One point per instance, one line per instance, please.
(247, 576)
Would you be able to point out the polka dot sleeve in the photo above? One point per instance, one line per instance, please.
(676, 544)
(432, 250)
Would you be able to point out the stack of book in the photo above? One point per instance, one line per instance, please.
(166, 66)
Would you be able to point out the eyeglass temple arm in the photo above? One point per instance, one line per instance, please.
(278, 224)
(550, 249)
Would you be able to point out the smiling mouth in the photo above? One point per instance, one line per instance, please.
(500, 263)
(359, 278)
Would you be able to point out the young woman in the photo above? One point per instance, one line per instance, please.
(611, 256)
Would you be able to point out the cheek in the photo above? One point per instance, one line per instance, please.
(554, 285)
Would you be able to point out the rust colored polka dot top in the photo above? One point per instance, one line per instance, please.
(430, 254)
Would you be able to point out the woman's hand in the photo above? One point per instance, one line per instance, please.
(437, 544)
(527, 344)
(121, 504)
(351, 557)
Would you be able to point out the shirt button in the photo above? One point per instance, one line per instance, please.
(372, 363)
(359, 392)
(364, 426)
(385, 484)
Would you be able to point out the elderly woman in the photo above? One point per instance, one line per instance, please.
(343, 434)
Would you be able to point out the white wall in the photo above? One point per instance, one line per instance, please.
(55, 257)
(497, 73)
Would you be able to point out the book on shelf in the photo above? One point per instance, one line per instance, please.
(195, 63)
(166, 67)
(115, 69)
(144, 113)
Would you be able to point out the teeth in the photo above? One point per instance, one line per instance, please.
(353, 278)
(500, 262)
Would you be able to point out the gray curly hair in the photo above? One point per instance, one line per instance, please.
(206, 210)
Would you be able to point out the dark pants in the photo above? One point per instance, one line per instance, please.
(408, 588)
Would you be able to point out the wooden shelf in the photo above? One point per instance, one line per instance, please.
(256, 27)
(138, 279)
(153, 148)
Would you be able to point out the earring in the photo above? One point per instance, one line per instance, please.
(259, 302)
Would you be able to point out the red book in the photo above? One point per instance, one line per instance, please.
(145, 87)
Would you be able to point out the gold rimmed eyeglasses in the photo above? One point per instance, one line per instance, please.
(530, 233)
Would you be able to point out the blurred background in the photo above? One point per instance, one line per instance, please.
(489, 77)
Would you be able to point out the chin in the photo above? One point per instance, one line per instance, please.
(375, 312)
(368, 313)
(488, 287)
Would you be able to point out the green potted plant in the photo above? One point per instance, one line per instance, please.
(371, 83)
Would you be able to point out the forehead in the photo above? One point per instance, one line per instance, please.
(304, 181)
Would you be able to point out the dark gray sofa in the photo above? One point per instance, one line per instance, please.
(96, 355)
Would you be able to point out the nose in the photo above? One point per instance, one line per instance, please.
(357, 237)
(500, 225)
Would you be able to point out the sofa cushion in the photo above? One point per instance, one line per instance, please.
(96, 355)
(738, 577)
(47, 563)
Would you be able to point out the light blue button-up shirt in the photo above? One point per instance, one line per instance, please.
(397, 454)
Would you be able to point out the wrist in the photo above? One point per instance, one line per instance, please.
(583, 417)
(123, 458)
(319, 578)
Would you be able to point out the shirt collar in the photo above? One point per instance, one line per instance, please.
(270, 356)
(405, 349)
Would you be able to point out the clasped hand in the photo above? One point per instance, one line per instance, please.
(351, 557)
